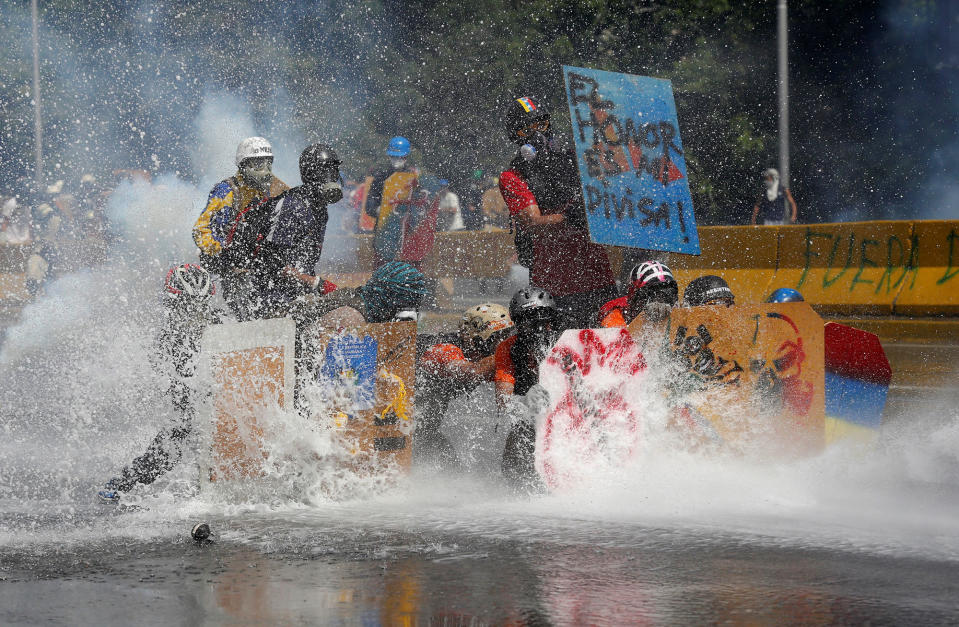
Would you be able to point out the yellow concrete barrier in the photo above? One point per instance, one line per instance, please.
(930, 280)
(856, 267)
(744, 257)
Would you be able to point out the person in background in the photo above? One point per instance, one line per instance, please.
(14, 228)
(451, 217)
(449, 369)
(388, 200)
(252, 183)
(495, 211)
(541, 188)
(708, 290)
(472, 203)
(771, 207)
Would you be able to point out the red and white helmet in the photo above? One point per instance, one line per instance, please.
(189, 280)
(650, 272)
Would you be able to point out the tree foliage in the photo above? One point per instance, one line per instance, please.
(873, 84)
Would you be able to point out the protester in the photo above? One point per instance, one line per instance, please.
(541, 189)
(770, 208)
(276, 243)
(187, 311)
(388, 198)
(450, 216)
(253, 182)
(785, 295)
(708, 290)
(653, 291)
(449, 369)
(517, 360)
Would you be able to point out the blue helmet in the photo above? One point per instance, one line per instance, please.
(393, 287)
(785, 295)
(398, 147)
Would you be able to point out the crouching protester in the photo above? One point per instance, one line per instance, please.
(449, 369)
(516, 378)
(653, 292)
(187, 311)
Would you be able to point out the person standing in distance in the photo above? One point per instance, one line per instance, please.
(770, 209)
(541, 188)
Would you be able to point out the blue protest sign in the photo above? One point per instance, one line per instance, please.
(631, 162)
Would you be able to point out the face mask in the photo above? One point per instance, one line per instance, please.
(258, 173)
(397, 163)
(326, 193)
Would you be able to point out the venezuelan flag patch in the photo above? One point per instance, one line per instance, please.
(527, 104)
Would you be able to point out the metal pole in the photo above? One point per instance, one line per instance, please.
(783, 96)
(38, 125)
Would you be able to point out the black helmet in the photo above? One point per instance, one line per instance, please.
(319, 164)
(707, 290)
(531, 302)
(522, 113)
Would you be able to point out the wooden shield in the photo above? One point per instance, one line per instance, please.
(369, 372)
(366, 374)
(747, 377)
(248, 370)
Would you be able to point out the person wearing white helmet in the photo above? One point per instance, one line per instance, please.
(253, 181)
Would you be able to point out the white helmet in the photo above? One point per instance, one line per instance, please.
(253, 147)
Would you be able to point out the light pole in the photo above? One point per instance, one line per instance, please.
(37, 119)
(783, 96)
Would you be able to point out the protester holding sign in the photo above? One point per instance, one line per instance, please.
(541, 188)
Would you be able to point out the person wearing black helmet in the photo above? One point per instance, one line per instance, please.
(278, 241)
(187, 310)
(541, 188)
(708, 290)
(517, 360)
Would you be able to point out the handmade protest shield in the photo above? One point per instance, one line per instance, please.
(746, 378)
(631, 161)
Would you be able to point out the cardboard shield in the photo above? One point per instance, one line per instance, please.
(748, 378)
(369, 372)
(248, 370)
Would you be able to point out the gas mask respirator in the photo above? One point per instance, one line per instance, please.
(258, 172)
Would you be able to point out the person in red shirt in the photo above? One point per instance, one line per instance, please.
(448, 369)
(653, 291)
(517, 370)
(542, 191)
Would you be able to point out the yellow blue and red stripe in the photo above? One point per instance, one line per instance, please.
(527, 104)
(857, 381)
